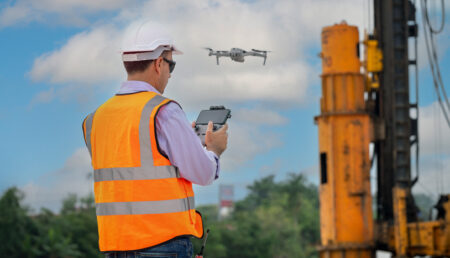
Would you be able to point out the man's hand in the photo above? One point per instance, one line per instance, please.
(216, 141)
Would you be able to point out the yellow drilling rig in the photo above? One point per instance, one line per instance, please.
(366, 102)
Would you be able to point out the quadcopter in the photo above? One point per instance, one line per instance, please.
(237, 54)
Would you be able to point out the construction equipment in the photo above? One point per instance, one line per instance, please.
(368, 102)
(345, 197)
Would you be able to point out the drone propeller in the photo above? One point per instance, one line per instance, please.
(211, 51)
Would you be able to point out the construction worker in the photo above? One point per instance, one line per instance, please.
(146, 156)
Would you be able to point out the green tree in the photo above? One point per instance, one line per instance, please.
(15, 225)
(81, 226)
(276, 219)
(72, 233)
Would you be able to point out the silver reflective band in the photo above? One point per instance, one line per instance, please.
(135, 173)
(145, 143)
(89, 120)
(149, 207)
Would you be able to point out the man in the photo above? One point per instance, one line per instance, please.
(146, 156)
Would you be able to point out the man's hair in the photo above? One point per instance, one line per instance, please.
(137, 66)
(140, 66)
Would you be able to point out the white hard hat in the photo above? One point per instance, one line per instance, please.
(146, 42)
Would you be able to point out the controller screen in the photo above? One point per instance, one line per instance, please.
(216, 116)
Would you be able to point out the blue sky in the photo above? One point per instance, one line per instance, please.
(61, 61)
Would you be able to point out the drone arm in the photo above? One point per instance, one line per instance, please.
(254, 54)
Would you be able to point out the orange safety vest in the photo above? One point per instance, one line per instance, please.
(141, 200)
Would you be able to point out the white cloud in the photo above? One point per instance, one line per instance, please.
(288, 28)
(43, 97)
(51, 188)
(244, 143)
(283, 84)
(434, 136)
(433, 177)
(88, 57)
(441, 41)
(271, 169)
(312, 174)
(259, 116)
(67, 12)
(13, 14)
(434, 132)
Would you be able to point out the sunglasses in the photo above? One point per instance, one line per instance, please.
(171, 64)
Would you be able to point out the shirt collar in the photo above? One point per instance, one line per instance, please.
(129, 87)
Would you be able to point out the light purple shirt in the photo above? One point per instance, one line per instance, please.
(177, 140)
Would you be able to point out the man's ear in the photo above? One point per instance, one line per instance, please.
(158, 65)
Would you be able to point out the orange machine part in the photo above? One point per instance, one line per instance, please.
(340, 51)
(346, 223)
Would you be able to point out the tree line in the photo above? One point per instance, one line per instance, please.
(275, 219)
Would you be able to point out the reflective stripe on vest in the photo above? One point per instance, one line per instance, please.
(136, 206)
(88, 125)
(149, 207)
(137, 173)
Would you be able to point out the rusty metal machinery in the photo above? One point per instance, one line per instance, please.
(392, 31)
(398, 228)
(410, 239)
(345, 198)
(360, 108)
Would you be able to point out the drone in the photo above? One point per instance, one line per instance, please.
(237, 54)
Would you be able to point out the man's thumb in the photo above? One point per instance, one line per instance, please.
(210, 126)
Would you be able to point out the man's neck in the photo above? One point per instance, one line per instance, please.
(144, 78)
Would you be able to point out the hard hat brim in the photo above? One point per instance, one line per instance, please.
(149, 55)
